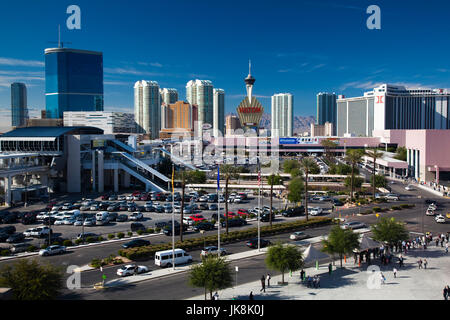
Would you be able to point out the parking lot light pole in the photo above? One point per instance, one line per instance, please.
(173, 218)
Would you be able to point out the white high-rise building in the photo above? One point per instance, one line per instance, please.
(200, 93)
(219, 113)
(282, 115)
(168, 96)
(147, 108)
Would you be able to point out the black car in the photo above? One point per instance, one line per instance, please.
(112, 216)
(8, 230)
(204, 226)
(45, 221)
(16, 237)
(159, 209)
(293, 212)
(266, 217)
(8, 217)
(337, 202)
(203, 206)
(163, 224)
(4, 236)
(168, 230)
(28, 218)
(84, 236)
(236, 222)
(253, 243)
(136, 243)
(214, 216)
(132, 208)
(430, 201)
(122, 218)
(123, 207)
(137, 226)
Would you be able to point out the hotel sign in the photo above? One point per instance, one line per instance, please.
(250, 114)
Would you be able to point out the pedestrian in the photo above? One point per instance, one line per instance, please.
(302, 275)
(446, 247)
(442, 242)
(318, 282)
(216, 296)
(400, 261)
(309, 282)
(395, 272)
(268, 280)
(382, 278)
(330, 269)
(250, 297)
(437, 242)
(425, 263)
(420, 263)
(263, 284)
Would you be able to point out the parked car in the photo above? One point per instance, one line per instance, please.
(315, 211)
(265, 217)
(235, 222)
(243, 213)
(112, 197)
(28, 218)
(439, 218)
(213, 206)
(197, 218)
(212, 250)
(203, 226)
(112, 216)
(42, 231)
(253, 243)
(409, 187)
(16, 237)
(159, 209)
(136, 243)
(298, 235)
(293, 212)
(136, 216)
(137, 226)
(392, 196)
(337, 202)
(19, 247)
(131, 269)
(52, 250)
(67, 206)
(353, 225)
(89, 222)
(113, 207)
(122, 218)
(84, 236)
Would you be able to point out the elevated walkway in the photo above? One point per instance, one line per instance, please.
(176, 159)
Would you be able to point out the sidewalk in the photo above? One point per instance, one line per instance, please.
(353, 283)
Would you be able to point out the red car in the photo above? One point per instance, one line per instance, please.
(105, 197)
(197, 218)
(145, 197)
(243, 195)
(136, 193)
(243, 212)
(231, 215)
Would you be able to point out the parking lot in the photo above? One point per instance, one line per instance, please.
(149, 220)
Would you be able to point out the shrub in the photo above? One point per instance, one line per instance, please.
(130, 233)
(111, 236)
(91, 239)
(150, 230)
(396, 207)
(67, 243)
(140, 232)
(31, 248)
(78, 241)
(96, 263)
(5, 252)
(100, 238)
(158, 230)
(120, 235)
(376, 209)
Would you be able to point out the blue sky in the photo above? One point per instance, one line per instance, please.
(301, 47)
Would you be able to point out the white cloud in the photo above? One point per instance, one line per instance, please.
(372, 84)
(22, 63)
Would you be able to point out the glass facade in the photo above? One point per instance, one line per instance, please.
(19, 111)
(327, 109)
(73, 81)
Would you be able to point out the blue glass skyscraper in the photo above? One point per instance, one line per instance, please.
(73, 81)
(326, 109)
(19, 110)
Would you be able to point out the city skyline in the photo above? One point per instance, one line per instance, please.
(304, 65)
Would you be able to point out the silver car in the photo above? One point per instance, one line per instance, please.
(51, 250)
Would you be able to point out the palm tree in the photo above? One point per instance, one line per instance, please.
(273, 180)
(328, 145)
(374, 154)
(229, 171)
(307, 164)
(353, 156)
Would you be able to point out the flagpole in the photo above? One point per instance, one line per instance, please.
(259, 205)
(173, 218)
(218, 208)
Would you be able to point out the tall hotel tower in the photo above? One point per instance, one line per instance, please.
(73, 81)
(219, 113)
(147, 108)
(168, 96)
(200, 93)
(19, 111)
(282, 115)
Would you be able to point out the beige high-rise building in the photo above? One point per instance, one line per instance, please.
(178, 119)
(322, 130)
(232, 124)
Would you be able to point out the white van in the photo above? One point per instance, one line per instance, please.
(72, 214)
(102, 217)
(164, 258)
